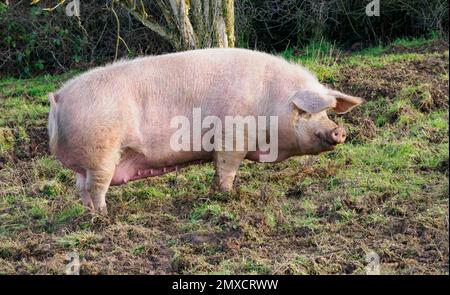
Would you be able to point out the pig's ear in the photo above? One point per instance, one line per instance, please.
(344, 102)
(312, 102)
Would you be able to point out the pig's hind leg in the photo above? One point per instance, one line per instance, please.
(82, 190)
(98, 180)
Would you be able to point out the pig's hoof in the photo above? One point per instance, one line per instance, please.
(101, 209)
(88, 204)
(222, 188)
(226, 189)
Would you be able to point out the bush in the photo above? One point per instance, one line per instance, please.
(275, 25)
(34, 41)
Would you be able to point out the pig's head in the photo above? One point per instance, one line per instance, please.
(316, 133)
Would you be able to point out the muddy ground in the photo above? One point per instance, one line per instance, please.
(386, 191)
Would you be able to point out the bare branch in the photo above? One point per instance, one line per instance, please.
(151, 23)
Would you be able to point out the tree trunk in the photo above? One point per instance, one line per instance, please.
(187, 24)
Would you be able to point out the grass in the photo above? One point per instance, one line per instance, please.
(320, 57)
(385, 190)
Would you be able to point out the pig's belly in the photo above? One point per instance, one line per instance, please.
(136, 166)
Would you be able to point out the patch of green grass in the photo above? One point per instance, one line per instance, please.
(372, 60)
(308, 206)
(34, 87)
(205, 208)
(431, 126)
(401, 112)
(412, 42)
(301, 265)
(271, 220)
(386, 156)
(18, 111)
(145, 192)
(435, 158)
(38, 212)
(372, 51)
(70, 213)
(245, 265)
(79, 239)
(346, 215)
(310, 222)
(6, 140)
(318, 52)
(7, 248)
(51, 188)
(319, 57)
(255, 267)
(141, 249)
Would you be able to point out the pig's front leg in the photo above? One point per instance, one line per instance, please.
(226, 164)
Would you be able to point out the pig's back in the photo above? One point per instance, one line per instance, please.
(187, 78)
(218, 80)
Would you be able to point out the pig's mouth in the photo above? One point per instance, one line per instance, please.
(329, 146)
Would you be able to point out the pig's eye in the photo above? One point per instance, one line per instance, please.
(305, 115)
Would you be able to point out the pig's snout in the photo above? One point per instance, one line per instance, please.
(337, 135)
(333, 137)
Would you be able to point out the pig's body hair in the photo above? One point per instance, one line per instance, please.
(122, 104)
(112, 123)
(309, 79)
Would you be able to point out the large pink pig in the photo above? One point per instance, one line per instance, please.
(114, 124)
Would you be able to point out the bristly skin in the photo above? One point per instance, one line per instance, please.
(112, 124)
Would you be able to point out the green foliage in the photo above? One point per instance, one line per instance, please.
(29, 49)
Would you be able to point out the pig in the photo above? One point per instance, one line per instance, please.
(112, 124)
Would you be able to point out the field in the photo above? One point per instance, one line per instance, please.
(386, 190)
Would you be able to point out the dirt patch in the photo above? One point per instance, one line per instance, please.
(37, 145)
(388, 81)
(33, 145)
(423, 82)
(183, 206)
(144, 250)
(212, 238)
(431, 47)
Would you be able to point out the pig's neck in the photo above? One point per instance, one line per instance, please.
(288, 144)
(287, 137)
